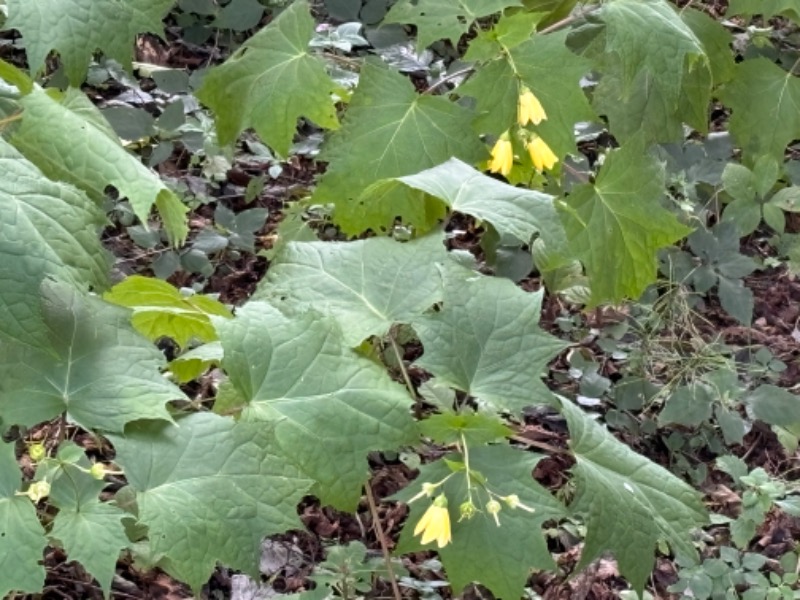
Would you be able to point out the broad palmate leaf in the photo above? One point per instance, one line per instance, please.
(96, 369)
(47, 229)
(209, 489)
(486, 341)
(362, 284)
(765, 8)
(616, 225)
(160, 309)
(760, 87)
(84, 151)
(270, 82)
(76, 28)
(330, 406)
(628, 502)
(22, 540)
(389, 131)
(498, 557)
(443, 19)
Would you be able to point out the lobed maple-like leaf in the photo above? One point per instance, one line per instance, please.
(362, 284)
(486, 341)
(96, 368)
(616, 225)
(329, 405)
(209, 489)
(498, 557)
(84, 151)
(76, 28)
(270, 82)
(389, 131)
(443, 19)
(22, 540)
(47, 229)
(760, 87)
(628, 502)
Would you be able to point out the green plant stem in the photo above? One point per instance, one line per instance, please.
(376, 524)
(568, 20)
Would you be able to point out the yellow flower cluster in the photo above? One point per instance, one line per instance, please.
(435, 523)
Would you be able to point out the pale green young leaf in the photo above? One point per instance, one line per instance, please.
(230, 477)
(765, 100)
(22, 540)
(486, 341)
(362, 284)
(76, 28)
(498, 557)
(160, 309)
(716, 40)
(390, 131)
(514, 211)
(443, 19)
(47, 229)
(628, 503)
(616, 225)
(509, 31)
(551, 71)
(196, 361)
(329, 405)
(765, 8)
(472, 428)
(270, 82)
(82, 151)
(97, 370)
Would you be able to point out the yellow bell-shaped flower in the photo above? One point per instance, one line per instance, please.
(435, 523)
(529, 109)
(541, 154)
(502, 156)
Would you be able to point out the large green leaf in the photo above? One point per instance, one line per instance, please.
(498, 557)
(551, 71)
(330, 406)
(760, 87)
(514, 211)
(160, 309)
(486, 341)
(76, 28)
(628, 502)
(47, 229)
(654, 71)
(83, 150)
(443, 19)
(22, 540)
(209, 490)
(390, 131)
(99, 370)
(270, 82)
(616, 225)
(363, 284)
(765, 8)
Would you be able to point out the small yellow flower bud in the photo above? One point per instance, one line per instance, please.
(529, 109)
(512, 501)
(542, 156)
(493, 507)
(98, 471)
(502, 156)
(37, 452)
(467, 510)
(38, 490)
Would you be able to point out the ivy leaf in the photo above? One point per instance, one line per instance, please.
(616, 225)
(486, 341)
(647, 70)
(231, 477)
(443, 19)
(362, 284)
(411, 132)
(765, 8)
(22, 540)
(498, 557)
(513, 211)
(551, 71)
(330, 406)
(76, 28)
(99, 371)
(83, 151)
(612, 480)
(159, 309)
(760, 87)
(47, 229)
(270, 82)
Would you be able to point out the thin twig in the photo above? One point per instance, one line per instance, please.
(541, 445)
(404, 371)
(376, 523)
(568, 20)
(450, 77)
